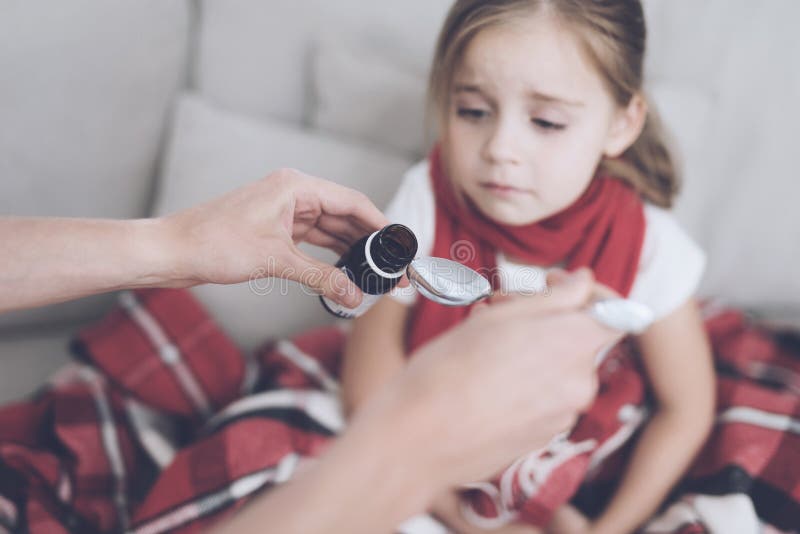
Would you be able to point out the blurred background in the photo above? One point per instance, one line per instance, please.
(130, 108)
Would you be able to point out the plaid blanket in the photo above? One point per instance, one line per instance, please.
(746, 473)
(163, 424)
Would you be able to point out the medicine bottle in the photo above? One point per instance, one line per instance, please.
(375, 263)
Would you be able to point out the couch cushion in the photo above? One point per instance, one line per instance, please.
(390, 99)
(741, 196)
(26, 361)
(85, 93)
(212, 151)
(254, 57)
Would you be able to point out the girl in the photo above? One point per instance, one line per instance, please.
(548, 158)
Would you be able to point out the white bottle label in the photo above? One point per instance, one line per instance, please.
(351, 313)
(368, 300)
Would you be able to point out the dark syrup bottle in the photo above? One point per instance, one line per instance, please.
(375, 263)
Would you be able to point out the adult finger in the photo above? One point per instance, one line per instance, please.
(322, 278)
(347, 228)
(339, 200)
(572, 292)
(320, 238)
(601, 291)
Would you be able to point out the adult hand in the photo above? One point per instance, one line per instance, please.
(496, 386)
(253, 232)
(519, 371)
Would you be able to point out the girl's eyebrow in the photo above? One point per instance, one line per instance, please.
(536, 95)
(468, 88)
(533, 95)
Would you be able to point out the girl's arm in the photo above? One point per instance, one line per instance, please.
(677, 358)
(374, 353)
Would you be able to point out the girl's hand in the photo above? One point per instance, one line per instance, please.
(447, 509)
(569, 520)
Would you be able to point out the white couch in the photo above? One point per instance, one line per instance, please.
(126, 108)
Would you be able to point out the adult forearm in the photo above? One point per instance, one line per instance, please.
(358, 486)
(668, 444)
(47, 260)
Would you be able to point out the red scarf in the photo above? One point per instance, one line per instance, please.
(603, 229)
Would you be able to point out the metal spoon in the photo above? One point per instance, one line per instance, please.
(453, 284)
(447, 282)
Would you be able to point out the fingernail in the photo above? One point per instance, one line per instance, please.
(352, 297)
(342, 290)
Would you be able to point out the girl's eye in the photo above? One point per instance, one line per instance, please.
(547, 125)
(472, 113)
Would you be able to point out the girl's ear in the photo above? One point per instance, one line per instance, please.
(626, 125)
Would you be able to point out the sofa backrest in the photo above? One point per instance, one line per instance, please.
(87, 89)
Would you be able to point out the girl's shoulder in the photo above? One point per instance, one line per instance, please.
(671, 264)
(664, 233)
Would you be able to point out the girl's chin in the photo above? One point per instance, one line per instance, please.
(511, 215)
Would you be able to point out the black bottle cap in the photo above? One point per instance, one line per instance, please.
(393, 247)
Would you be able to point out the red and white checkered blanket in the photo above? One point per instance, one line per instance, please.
(165, 425)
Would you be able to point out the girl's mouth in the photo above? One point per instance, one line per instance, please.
(504, 190)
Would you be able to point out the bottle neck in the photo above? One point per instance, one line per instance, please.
(371, 261)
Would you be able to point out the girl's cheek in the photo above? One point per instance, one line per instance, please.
(456, 135)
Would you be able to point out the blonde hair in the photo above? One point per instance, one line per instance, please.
(613, 36)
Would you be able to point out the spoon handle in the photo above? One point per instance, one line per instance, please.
(621, 314)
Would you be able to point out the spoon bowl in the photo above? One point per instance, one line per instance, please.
(447, 282)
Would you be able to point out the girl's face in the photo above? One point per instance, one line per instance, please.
(529, 120)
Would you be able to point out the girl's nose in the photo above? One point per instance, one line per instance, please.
(501, 146)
